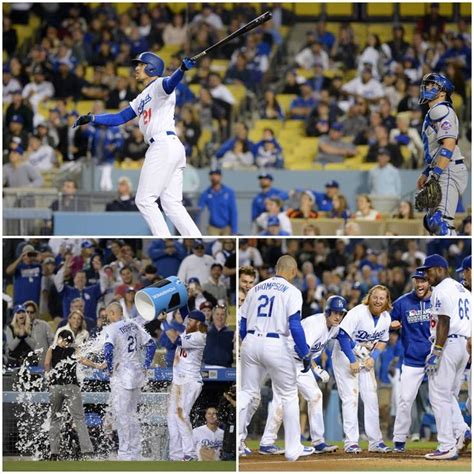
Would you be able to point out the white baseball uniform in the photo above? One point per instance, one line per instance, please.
(267, 309)
(162, 172)
(204, 437)
(185, 389)
(128, 376)
(449, 298)
(363, 328)
(317, 336)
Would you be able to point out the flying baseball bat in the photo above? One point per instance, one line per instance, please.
(249, 26)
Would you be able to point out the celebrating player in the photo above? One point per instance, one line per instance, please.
(271, 311)
(411, 312)
(319, 329)
(443, 158)
(186, 386)
(124, 343)
(450, 327)
(465, 269)
(368, 326)
(208, 438)
(162, 172)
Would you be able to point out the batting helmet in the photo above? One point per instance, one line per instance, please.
(337, 304)
(154, 64)
(442, 83)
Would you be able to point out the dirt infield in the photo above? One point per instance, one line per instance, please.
(413, 460)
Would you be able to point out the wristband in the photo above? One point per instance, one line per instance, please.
(426, 171)
(437, 170)
(439, 348)
(376, 353)
(446, 153)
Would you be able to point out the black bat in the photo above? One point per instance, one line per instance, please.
(249, 26)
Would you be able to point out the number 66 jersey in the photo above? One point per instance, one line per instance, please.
(451, 299)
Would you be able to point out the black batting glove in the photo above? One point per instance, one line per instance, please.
(83, 119)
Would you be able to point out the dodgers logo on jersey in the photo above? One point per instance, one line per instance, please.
(317, 347)
(446, 125)
(438, 303)
(142, 104)
(365, 336)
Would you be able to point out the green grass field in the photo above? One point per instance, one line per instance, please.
(116, 466)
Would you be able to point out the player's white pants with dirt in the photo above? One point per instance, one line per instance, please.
(124, 403)
(259, 355)
(162, 177)
(410, 381)
(180, 404)
(247, 415)
(308, 387)
(349, 386)
(443, 389)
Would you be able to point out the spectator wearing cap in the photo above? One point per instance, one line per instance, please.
(125, 201)
(167, 255)
(384, 179)
(268, 152)
(241, 132)
(39, 90)
(305, 209)
(274, 227)
(206, 307)
(273, 208)
(331, 147)
(303, 104)
(214, 284)
(465, 269)
(19, 108)
(19, 340)
(197, 265)
(222, 204)
(20, 174)
(82, 261)
(26, 272)
(324, 201)
(219, 346)
(311, 55)
(15, 133)
(42, 157)
(382, 141)
(197, 296)
(364, 85)
(10, 84)
(266, 191)
(40, 330)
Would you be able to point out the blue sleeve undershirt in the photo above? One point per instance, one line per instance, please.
(119, 118)
(297, 332)
(243, 328)
(346, 342)
(109, 355)
(149, 353)
(170, 82)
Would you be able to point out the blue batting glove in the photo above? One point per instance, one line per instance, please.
(188, 64)
(432, 361)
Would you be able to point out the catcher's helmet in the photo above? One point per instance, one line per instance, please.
(335, 303)
(154, 64)
(442, 83)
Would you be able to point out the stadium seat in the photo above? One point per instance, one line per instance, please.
(220, 66)
(326, 226)
(412, 9)
(382, 30)
(370, 227)
(403, 227)
(446, 9)
(239, 92)
(84, 106)
(124, 71)
(177, 7)
(123, 7)
(466, 9)
(24, 33)
(339, 9)
(380, 9)
(307, 9)
(285, 100)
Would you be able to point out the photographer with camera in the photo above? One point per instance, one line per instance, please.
(227, 415)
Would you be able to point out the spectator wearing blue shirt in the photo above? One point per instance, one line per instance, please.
(303, 104)
(222, 205)
(167, 255)
(27, 274)
(411, 312)
(324, 200)
(219, 341)
(268, 152)
(274, 227)
(241, 132)
(258, 203)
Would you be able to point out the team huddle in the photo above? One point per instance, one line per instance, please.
(434, 321)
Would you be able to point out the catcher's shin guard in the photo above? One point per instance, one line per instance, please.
(436, 224)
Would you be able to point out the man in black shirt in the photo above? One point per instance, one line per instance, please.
(61, 365)
(219, 341)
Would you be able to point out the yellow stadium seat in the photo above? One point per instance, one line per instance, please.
(306, 73)
(219, 65)
(84, 106)
(382, 30)
(284, 30)
(275, 125)
(412, 9)
(367, 166)
(380, 9)
(177, 7)
(446, 9)
(308, 9)
(339, 9)
(195, 88)
(123, 7)
(285, 100)
(238, 91)
(295, 125)
(124, 71)
(466, 9)
(89, 75)
(24, 32)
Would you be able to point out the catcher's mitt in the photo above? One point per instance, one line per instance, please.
(429, 196)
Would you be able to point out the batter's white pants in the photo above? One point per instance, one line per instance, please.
(308, 387)
(395, 395)
(348, 387)
(180, 404)
(247, 414)
(410, 381)
(259, 355)
(443, 390)
(162, 177)
(124, 406)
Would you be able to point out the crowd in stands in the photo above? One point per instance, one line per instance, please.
(67, 283)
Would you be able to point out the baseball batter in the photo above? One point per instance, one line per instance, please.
(162, 172)
(450, 327)
(363, 331)
(125, 342)
(411, 312)
(271, 311)
(319, 329)
(443, 158)
(208, 438)
(186, 386)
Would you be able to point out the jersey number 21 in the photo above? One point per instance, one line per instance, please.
(265, 308)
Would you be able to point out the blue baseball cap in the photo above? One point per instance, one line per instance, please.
(17, 118)
(337, 126)
(18, 149)
(215, 171)
(466, 263)
(87, 244)
(19, 308)
(419, 273)
(197, 315)
(194, 280)
(332, 184)
(265, 176)
(434, 260)
(273, 220)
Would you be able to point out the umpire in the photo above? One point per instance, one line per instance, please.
(61, 365)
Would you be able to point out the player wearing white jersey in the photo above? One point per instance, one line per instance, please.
(365, 326)
(450, 327)
(186, 386)
(208, 438)
(319, 329)
(128, 351)
(162, 172)
(271, 311)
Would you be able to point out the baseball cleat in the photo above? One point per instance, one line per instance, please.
(399, 447)
(307, 451)
(353, 449)
(189, 458)
(463, 441)
(450, 455)
(380, 448)
(272, 449)
(416, 437)
(324, 448)
(244, 450)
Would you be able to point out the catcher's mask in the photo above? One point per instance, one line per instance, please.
(442, 84)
